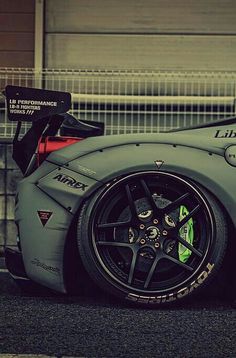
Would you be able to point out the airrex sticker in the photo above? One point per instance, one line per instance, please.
(44, 216)
(70, 182)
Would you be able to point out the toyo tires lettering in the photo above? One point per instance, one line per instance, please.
(173, 296)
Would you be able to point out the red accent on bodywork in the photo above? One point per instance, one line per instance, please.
(48, 145)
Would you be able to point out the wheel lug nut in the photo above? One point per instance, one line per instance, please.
(164, 233)
(142, 241)
(157, 245)
(155, 221)
(142, 226)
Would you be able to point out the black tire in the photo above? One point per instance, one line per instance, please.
(136, 245)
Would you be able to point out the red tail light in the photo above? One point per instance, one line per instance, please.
(50, 144)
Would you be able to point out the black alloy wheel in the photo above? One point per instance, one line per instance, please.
(152, 238)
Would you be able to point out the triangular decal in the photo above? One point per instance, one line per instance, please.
(44, 216)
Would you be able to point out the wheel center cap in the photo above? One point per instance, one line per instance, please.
(152, 233)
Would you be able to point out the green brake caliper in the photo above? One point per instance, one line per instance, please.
(186, 233)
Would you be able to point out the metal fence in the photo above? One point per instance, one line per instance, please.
(132, 101)
(126, 101)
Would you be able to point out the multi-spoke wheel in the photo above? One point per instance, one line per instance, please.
(152, 238)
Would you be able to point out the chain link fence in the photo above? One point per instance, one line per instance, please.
(126, 101)
(132, 101)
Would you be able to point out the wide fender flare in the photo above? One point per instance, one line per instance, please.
(75, 181)
(208, 169)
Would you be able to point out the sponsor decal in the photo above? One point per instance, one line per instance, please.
(176, 295)
(230, 155)
(87, 171)
(28, 106)
(228, 133)
(159, 163)
(70, 182)
(45, 267)
(44, 216)
(34, 103)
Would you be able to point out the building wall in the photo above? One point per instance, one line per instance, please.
(16, 50)
(165, 34)
(111, 34)
(16, 33)
(9, 176)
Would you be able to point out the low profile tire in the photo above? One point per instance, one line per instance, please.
(152, 238)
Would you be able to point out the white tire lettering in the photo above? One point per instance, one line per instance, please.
(176, 295)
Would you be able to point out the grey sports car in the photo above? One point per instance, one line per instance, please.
(150, 216)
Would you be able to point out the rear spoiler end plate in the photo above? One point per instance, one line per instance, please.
(31, 104)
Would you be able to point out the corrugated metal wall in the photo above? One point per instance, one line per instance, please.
(166, 34)
(17, 33)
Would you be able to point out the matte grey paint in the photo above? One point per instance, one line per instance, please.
(197, 155)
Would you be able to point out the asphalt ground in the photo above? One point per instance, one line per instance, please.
(95, 325)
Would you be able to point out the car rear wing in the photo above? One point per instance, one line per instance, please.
(31, 104)
(47, 112)
(43, 109)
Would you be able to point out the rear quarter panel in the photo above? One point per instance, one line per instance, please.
(93, 164)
